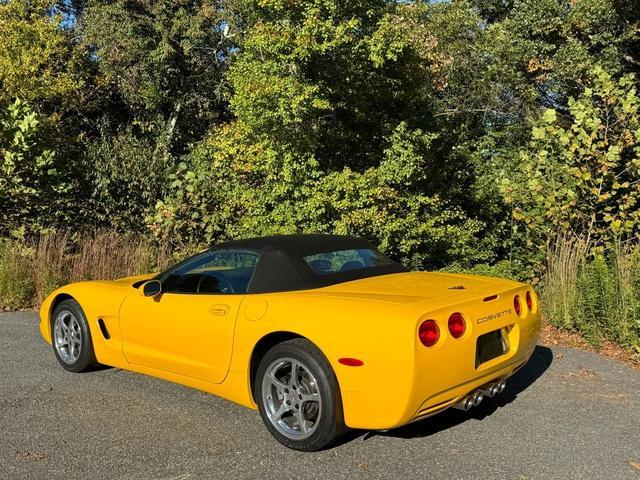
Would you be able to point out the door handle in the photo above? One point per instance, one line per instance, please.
(219, 310)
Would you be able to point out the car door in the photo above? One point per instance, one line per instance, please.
(188, 328)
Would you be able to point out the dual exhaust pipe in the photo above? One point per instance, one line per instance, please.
(475, 397)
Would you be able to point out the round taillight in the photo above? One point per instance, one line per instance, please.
(457, 325)
(529, 300)
(517, 305)
(429, 333)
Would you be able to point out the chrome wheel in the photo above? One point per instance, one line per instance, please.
(291, 397)
(67, 336)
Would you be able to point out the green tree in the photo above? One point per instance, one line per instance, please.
(31, 186)
(164, 62)
(545, 50)
(312, 150)
(37, 62)
(583, 175)
(124, 180)
(42, 65)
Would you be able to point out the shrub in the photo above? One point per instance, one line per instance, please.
(31, 187)
(231, 190)
(502, 269)
(125, 176)
(17, 285)
(582, 174)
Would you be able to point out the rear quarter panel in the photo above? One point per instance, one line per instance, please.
(340, 327)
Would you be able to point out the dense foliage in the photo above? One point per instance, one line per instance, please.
(30, 186)
(582, 176)
(453, 133)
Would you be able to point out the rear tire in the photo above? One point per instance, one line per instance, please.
(71, 337)
(298, 396)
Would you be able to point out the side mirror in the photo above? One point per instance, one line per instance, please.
(150, 288)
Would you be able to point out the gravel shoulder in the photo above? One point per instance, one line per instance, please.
(566, 414)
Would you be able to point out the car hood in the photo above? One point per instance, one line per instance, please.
(134, 278)
(123, 282)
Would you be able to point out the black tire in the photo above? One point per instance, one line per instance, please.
(329, 422)
(83, 360)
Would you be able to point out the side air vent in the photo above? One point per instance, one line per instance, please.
(103, 329)
(488, 299)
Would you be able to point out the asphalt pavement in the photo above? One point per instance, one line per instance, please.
(567, 414)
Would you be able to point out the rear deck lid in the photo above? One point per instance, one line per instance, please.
(409, 287)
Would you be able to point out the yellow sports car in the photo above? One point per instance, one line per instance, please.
(319, 332)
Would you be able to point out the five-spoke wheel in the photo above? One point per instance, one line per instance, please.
(67, 336)
(298, 396)
(71, 337)
(290, 394)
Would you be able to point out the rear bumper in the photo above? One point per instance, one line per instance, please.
(455, 394)
(436, 394)
(436, 378)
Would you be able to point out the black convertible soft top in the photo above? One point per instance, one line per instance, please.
(282, 266)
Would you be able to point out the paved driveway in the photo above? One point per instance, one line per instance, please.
(567, 415)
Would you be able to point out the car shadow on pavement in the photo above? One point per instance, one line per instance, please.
(538, 363)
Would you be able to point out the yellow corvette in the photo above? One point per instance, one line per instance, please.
(319, 332)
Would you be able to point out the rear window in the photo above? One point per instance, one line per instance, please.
(345, 260)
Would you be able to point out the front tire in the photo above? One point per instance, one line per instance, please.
(298, 396)
(71, 337)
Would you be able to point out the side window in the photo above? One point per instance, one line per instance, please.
(218, 271)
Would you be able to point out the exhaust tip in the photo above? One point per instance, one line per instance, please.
(501, 386)
(472, 400)
(465, 404)
(490, 390)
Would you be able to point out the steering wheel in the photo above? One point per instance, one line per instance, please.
(224, 285)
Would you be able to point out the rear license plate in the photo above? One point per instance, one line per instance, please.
(490, 345)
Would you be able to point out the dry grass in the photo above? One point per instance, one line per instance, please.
(597, 296)
(594, 294)
(17, 288)
(29, 271)
(559, 294)
(108, 255)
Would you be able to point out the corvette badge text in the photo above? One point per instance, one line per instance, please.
(493, 316)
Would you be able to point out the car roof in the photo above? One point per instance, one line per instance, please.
(282, 266)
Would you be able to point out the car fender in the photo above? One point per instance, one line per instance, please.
(100, 301)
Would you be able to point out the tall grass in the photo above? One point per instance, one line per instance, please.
(596, 295)
(559, 287)
(30, 270)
